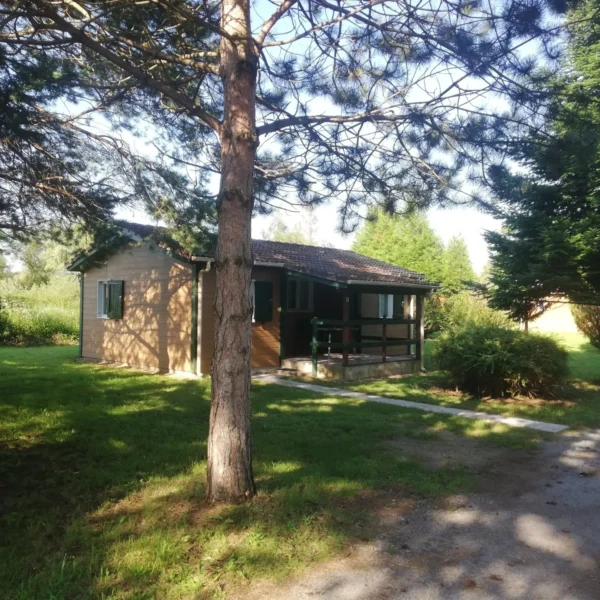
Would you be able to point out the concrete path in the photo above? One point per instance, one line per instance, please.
(435, 408)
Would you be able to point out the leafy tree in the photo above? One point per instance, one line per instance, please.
(551, 242)
(315, 100)
(37, 272)
(407, 241)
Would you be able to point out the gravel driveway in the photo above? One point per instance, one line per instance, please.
(530, 531)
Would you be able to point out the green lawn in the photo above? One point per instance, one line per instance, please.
(579, 406)
(102, 480)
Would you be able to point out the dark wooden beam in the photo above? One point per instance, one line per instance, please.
(346, 319)
(420, 332)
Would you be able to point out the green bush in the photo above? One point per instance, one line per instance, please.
(47, 314)
(495, 361)
(587, 319)
(25, 327)
(455, 312)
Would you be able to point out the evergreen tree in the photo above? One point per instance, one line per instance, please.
(407, 241)
(318, 99)
(457, 268)
(550, 245)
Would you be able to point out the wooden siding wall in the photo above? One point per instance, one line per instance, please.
(156, 325)
(265, 336)
(370, 310)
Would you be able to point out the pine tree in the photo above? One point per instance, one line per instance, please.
(550, 245)
(457, 268)
(314, 100)
(407, 241)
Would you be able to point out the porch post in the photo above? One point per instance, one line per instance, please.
(384, 339)
(346, 332)
(420, 330)
(314, 346)
(81, 275)
(283, 283)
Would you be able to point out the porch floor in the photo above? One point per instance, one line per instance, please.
(360, 366)
(353, 359)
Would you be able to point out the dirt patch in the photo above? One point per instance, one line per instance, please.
(447, 449)
(528, 531)
(528, 401)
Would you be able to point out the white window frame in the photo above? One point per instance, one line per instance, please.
(389, 305)
(253, 299)
(299, 281)
(101, 297)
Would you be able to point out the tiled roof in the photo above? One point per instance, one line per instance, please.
(332, 264)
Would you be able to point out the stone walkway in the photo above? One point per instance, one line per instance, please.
(435, 408)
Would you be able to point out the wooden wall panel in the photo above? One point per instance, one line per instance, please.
(265, 336)
(155, 331)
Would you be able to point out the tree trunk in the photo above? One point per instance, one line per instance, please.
(230, 442)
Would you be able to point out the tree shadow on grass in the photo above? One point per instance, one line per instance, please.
(102, 475)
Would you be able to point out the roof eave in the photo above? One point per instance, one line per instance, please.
(403, 284)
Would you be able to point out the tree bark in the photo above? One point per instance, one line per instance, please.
(230, 476)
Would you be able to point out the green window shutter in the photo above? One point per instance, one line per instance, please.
(115, 300)
(263, 301)
(398, 306)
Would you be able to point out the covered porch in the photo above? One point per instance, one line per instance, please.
(356, 330)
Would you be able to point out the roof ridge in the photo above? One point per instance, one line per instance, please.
(335, 264)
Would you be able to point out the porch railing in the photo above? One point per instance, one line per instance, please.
(346, 327)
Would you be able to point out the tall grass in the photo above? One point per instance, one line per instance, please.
(41, 315)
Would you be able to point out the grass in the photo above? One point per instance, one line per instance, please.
(578, 407)
(41, 315)
(102, 481)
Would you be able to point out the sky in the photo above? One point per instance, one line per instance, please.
(468, 222)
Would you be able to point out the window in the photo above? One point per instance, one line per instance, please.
(110, 299)
(391, 306)
(262, 301)
(300, 295)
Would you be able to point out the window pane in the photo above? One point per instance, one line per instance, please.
(303, 303)
(113, 299)
(382, 306)
(398, 306)
(100, 311)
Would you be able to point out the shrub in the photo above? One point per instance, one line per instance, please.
(495, 361)
(46, 314)
(587, 319)
(25, 327)
(455, 312)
